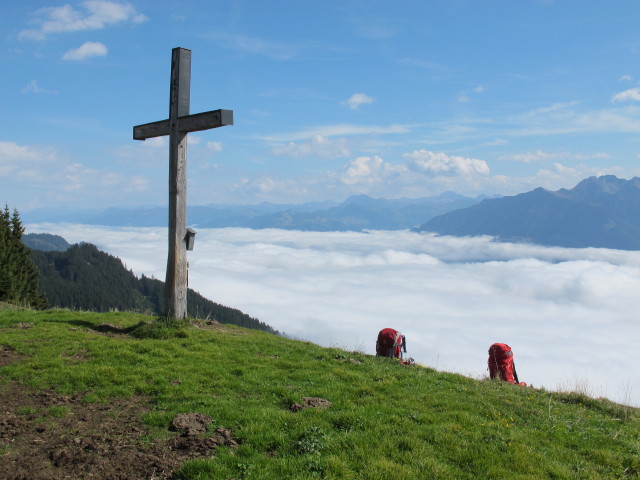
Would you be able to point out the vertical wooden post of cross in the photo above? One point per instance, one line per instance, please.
(175, 292)
(179, 124)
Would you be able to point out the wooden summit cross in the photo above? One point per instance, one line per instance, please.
(179, 124)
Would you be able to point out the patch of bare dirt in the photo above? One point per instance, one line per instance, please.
(8, 355)
(46, 436)
(190, 424)
(218, 327)
(310, 402)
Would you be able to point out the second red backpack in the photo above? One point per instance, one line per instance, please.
(501, 363)
(390, 343)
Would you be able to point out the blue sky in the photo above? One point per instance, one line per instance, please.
(330, 99)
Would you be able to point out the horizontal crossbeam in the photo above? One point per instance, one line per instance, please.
(189, 123)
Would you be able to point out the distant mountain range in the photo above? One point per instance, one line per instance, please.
(598, 212)
(356, 213)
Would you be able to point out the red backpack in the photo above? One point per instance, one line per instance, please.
(390, 343)
(501, 363)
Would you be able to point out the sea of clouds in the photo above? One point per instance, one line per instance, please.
(570, 315)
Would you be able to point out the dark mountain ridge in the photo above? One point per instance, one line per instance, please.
(598, 212)
(45, 242)
(83, 277)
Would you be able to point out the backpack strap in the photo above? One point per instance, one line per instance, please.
(398, 343)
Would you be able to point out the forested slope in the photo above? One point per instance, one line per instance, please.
(85, 278)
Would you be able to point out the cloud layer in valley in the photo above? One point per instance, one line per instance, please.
(569, 314)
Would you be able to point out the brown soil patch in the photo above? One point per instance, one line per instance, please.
(310, 402)
(46, 436)
(190, 424)
(219, 327)
(8, 355)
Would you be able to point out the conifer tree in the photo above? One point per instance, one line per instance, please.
(18, 274)
(5, 250)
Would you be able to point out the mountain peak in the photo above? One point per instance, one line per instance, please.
(598, 212)
(607, 184)
(361, 199)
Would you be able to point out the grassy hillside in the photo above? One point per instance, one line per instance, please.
(384, 420)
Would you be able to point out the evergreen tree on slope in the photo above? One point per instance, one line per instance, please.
(18, 274)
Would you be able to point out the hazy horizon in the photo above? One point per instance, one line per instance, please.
(567, 313)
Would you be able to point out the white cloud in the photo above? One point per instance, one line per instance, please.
(136, 183)
(556, 119)
(434, 163)
(92, 15)
(560, 171)
(266, 187)
(626, 78)
(422, 173)
(48, 174)
(464, 96)
(425, 173)
(451, 297)
(214, 146)
(562, 118)
(19, 160)
(155, 142)
(358, 99)
(496, 143)
(631, 94)
(530, 157)
(540, 156)
(362, 169)
(87, 181)
(255, 45)
(34, 87)
(559, 107)
(342, 129)
(317, 145)
(86, 50)
(374, 176)
(193, 139)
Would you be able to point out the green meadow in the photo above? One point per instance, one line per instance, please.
(385, 421)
